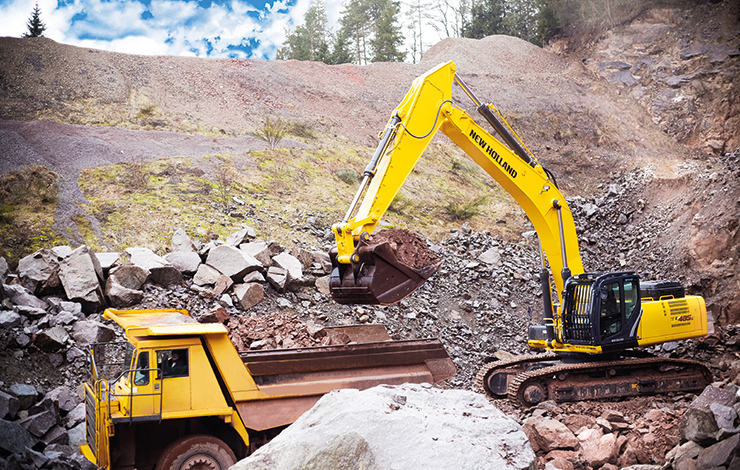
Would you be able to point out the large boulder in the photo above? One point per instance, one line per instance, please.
(249, 294)
(184, 261)
(14, 439)
(698, 423)
(181, 242)
(260, 250)
(289, 262)
(160, 271)
(232, 262)
(20, 296)
(206, 275)
(546, 434)
(39, 272)
(405, 427)
(242, 236)
(123, 284)
(81, 275)
(89, 332)
(51, 340)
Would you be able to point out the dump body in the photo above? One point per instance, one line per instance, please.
(182, 379)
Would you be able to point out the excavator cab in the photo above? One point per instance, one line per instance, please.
(602, 310)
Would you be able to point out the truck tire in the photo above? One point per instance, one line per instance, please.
(199, 452)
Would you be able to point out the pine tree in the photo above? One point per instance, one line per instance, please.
(388, 37)
(309, 41)
(35, 27)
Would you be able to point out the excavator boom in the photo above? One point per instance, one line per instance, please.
(426, 109)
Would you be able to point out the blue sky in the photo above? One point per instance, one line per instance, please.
(203, 28)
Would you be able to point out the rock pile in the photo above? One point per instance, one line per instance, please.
(710, 431)
(42, 431)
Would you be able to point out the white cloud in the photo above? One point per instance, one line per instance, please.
(174, 27)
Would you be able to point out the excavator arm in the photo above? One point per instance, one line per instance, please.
(426, 109)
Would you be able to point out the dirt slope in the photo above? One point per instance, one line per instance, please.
(591, 129)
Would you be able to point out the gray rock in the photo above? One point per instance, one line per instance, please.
(130, 276)
(160, 271)
(206, 275)
(81, 274)
(39, 272)
(289, 262)
(165, 276)
(4, 269)
(371, 430)
(56, 435)
(77, 436)
(65, 397)
(232, 262)
(51, 340)
(120, 296)
(72, 307)
(25, 393)
(322, 284)
(107, 260)
(242, 236)
(9, 319)
(249, 295)
(20, 296)
(698, 423)
(724, 416)
(254, 276)
(259, 250)
(322, 258)
(39, 423)
(491, 256)
(14, 439)
(184, 261)
(279, 278)
(9, 405)
(145, 258)
(76, 416)
(62, 251)
(90, 331)
(718, 454)
(182, 243)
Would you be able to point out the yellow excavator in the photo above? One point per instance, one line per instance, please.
(589, 330)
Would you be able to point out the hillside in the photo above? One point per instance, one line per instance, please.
(640, 125)
(627, 112)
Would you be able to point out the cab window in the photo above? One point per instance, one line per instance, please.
(611, 309)
(631, 296)
(173, 362)
(141, 374)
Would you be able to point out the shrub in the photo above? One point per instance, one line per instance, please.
(465, 210)
(272, 131)
(349, 176)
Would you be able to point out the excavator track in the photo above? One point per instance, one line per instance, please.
(494, 378)
(607, 380)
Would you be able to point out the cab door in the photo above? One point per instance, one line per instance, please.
(173, 372)
(619, 311)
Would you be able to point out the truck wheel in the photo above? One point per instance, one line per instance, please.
(199, 452)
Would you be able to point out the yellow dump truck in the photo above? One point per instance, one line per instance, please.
(185, 398)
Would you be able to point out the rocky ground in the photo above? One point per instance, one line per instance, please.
(641, 130)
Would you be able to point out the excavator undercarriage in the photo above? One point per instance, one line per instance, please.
(530, 380)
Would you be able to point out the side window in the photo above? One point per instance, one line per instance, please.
(631, 290)
(173, 362)
(141, 375)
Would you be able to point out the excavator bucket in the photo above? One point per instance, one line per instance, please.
(378, 276)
